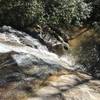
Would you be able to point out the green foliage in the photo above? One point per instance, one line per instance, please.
(20, 12)
(95, 15)
(88, 54)
(96, 11)
(66, 12)
(58, 12)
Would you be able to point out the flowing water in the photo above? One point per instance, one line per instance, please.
(29, 56)
(22, 43)
(20, 53)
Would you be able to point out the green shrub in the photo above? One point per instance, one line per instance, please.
(20, 12)
(58, 12)
(89, 56)
(66, 12)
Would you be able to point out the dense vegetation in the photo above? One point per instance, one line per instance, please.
(21, 13)
(89, 56)
(95, 14)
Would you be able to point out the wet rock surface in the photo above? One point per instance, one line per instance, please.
(63, 85)
(24, 56)
(29, 71)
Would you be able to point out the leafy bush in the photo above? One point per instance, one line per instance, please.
(89, 56)
(58, 12)
(20, 12)
(95, 15)
(96, 10)
(66, 12)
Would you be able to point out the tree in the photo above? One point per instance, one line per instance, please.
(20, 13)
(66, 12)
(54, 12)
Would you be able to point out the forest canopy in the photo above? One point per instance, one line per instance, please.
(21, 13)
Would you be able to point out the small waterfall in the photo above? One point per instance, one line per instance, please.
(32, 56)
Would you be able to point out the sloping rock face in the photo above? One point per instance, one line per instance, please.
(29, 71)
(64, 85)
(24, 56)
